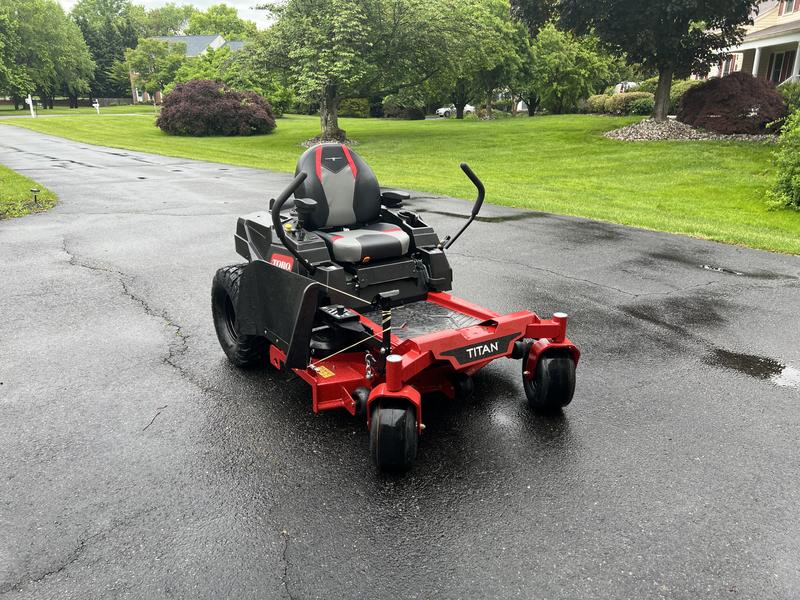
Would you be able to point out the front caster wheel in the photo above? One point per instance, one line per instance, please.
(241, 350)
(553, 383)
(393, 435)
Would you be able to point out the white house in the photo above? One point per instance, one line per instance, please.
(771, 47)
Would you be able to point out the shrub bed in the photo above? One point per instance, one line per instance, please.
(203, 107)
(354, 107)
(642, 106)
(393, 110)
(786, 188)
(596, 104)
(620, 104)
(791, 95)
(737, 103)
(678, 89)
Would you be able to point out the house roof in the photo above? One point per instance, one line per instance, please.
(235, 45)
(769, 32)
(195, 44)
(768, 5)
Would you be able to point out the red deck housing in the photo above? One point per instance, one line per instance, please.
(427, 362)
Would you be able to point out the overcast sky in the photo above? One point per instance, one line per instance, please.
(243, 6)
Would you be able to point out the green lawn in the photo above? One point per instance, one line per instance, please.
(559, 164)
(16, 198)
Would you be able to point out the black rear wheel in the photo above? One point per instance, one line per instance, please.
(393, 435)
(553, 384)
(241, 350)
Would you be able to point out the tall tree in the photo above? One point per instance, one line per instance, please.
(170, 19)
(6, 31)
(43, 51)
(674, 37)
(534, 13)
(335, 49)
(497, 48)
(221, 19)
(74, 64)
(560, 69)
(488, 56)
(109, 27)
(154, 63)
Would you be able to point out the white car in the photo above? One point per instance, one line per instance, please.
(625, 86)
(446, 111)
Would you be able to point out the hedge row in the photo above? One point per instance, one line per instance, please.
(630, 103)
(679, 88)
(785, 190)
(791, 95)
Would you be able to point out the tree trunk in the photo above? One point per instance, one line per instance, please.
(328, 115)
(16, 101)
(661, 109)
(533, 104)
(459, 98)
(50, 102)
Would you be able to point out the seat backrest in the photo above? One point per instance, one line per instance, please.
(345, 188)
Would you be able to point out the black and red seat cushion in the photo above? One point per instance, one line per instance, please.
(348, 198)
(375, 242)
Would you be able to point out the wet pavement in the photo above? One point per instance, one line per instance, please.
(135, 462)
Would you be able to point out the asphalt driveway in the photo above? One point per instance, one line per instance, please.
(135, 462)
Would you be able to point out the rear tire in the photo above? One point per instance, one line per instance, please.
(553, 384)
(242, 350)
(393, 435)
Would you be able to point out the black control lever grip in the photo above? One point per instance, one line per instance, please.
(478, 184)
(476, 208)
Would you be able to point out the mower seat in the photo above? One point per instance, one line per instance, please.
(348, 206)
(373, 242)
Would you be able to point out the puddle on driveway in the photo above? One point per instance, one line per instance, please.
(759, 367)
(691, 261)
(721, 270)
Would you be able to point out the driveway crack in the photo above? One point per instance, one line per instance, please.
(177, 347)
(70, 558)
(285, 560)
(73, 555)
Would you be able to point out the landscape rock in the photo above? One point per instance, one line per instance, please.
(671, 129)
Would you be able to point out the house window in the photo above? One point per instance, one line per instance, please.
(780, 66)
(730, 64)
(788, 63)
(777, 65)
(788, 6)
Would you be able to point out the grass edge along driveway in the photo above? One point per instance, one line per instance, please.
(558, 164)
(16, 198)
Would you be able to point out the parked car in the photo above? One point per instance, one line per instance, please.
(625, 86)
(447, 111)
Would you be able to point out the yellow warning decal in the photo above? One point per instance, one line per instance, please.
(325, 372)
